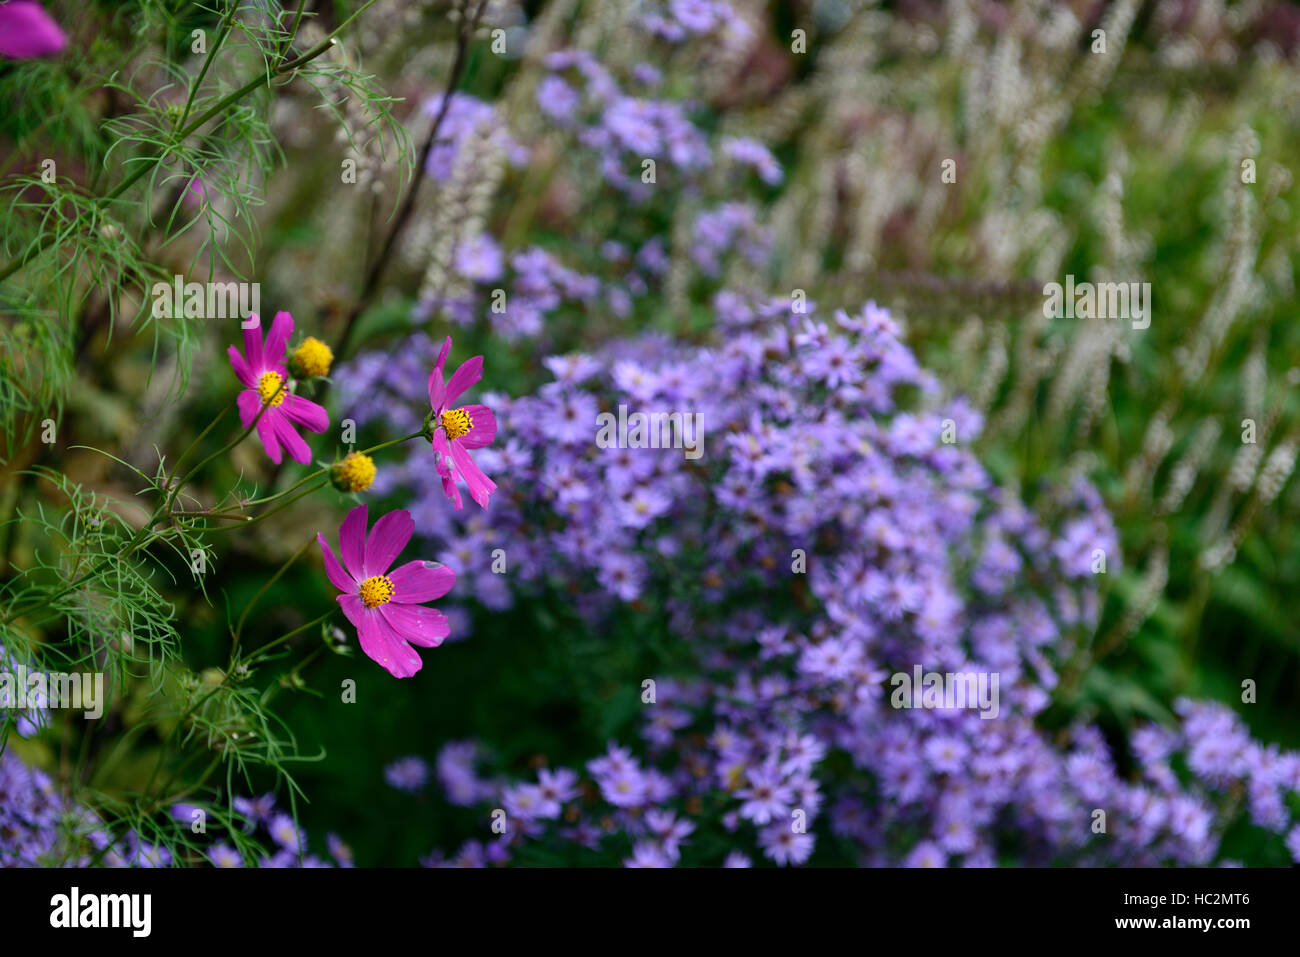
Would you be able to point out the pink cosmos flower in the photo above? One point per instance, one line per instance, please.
(385, 606)
(27, 32)
(264, 373)
(197, 193)
(454, 431)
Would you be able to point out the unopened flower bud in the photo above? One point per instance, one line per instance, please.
(311, 360)
(354, 473)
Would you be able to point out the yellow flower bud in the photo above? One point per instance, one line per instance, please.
(311, 360)
(354, 473)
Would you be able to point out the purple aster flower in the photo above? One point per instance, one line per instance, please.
(647, 854)
(223, 855)
(784, 845)
(285, 833)
(408, 774)
(257, 810)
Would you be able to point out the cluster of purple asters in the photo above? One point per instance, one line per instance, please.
(41, 827)
(622, 129)
(826, 539)
(537, 282)
(677, 21)
(268, 825)
(730, 228)
(466, 115)
(746, 151)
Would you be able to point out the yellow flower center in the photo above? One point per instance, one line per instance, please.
(457, 423)
(311, 359)
(376, 591)
(354, 473)
(267, 387)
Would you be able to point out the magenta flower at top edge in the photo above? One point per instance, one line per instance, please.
(385, 606)
(454, 431)
(27, 32)
(262, 369)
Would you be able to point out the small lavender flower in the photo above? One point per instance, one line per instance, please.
(648, 854)
(408, 774)
(224, 856)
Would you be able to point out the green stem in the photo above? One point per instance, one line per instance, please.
(293, 31)
(239, 626)
(207, 64)
(180, 723)
(201, 436)
(289, 634)
(114, 756)
(253, 520)
(216, 762)
(316, 474)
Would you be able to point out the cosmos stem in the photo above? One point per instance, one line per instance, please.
(289, 634)
(239, 626)
(317, 474)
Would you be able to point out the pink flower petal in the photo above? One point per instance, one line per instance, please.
(436, 389)
(248, 402)
(442, 459)
(352, 541)
(299, 451)
(242, 370)
(480, 486)
(277, 340)
(267, 433)
(26, 31)
(452, 491)
(384, 645)
(333, 570)
(306, 413)
(253, 345)
(387, 539)
(470, 371)
(422, 626)
(355, 609)
(484, 430)
(420, 581)
(196, 194)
